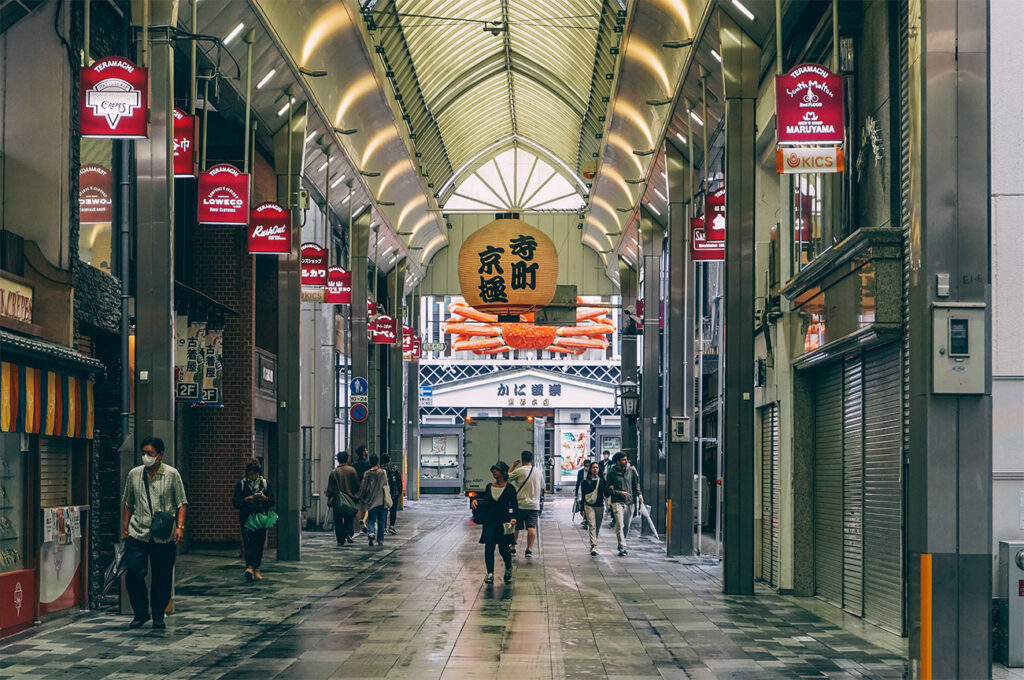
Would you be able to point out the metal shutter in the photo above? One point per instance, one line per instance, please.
(883, 489)
(770, 495)
(853, 487)
(828, 483)
(261, 442)
(54, 472)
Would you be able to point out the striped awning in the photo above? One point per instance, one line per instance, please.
(40, 401)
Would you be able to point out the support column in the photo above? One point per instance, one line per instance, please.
(358, 243)
(154, 316)
(628, 288)
(740, 64)
(950, 450)
(396, 368)
(652, 485)
(288, 143)
(679, 310)
(412, 428)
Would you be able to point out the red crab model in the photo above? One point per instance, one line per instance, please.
(480, 332)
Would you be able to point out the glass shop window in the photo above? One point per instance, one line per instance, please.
(13, 513)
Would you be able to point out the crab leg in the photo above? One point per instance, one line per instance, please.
(470, 313)
(585, 313)
(478, 343)
(497, 350)
(472, 329)
(564, 350)
(586, 343)
(586, 329)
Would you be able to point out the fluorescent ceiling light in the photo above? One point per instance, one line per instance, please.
(653, 209)
(742, 8)
(696, 118)
(311, 136)
(681, 138)
(321, 168)
(338, 181)
(285, 107)
(660, 194)
(266, 79)
(234, 33)
(360, 211)
(346, 200)
(717, 56)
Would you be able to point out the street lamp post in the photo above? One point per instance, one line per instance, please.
(628, 399)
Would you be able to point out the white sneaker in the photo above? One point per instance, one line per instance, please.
(489, 578)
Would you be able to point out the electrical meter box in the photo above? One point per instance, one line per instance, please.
(959, 348)
(1010, 645)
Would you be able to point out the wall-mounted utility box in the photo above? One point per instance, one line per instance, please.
(959, 348)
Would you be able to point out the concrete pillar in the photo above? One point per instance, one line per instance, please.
(412, 425)
(396, 368)
(628, 289)
(359, 239)
(652, 485)
(740, 69)
(949, 486)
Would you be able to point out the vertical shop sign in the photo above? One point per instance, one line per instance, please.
(313, 260)
(185, 159)
(270, 229)
(190, 352)
(407, 339)
(113, 101)
(223, 195)
(339, 286)
(384, 331)
(701, 249)
(809, 106)
(212, 368)
(95, 195)
(714, 216)
(417, 348)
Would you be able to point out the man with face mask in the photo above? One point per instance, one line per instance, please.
(153, 491)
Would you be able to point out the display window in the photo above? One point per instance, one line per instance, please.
(13, 520)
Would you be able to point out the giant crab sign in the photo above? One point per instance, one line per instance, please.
(480, 332)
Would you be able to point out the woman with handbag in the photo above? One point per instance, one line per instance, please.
(252, 497)
(593, 490)
(496, 508)
(373, 496)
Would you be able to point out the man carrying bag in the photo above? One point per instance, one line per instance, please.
(342, 488)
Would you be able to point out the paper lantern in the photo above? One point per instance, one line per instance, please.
(508, 268)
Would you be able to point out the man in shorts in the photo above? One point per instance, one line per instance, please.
(529, 484)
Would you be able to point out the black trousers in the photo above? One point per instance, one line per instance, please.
(393, 512)
(506, 555)
(344, 527)
(254, 542)
(139, 558)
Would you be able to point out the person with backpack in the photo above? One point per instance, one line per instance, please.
(341, 492)
(252, 495)
(394, 471)
(529, 486)
(624, 488)
(373, 494)
(495, 508)
(593, 490)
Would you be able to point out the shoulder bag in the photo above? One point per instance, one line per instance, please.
(161, 524)
(388, 502)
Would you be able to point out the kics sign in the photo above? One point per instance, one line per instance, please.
(313, 261)
(809, 106)
(184, 144)
(95, 195)
(270, 229)
(701, 248)
(223, 195)
(339, 286)
(113, 100)
(809, 160)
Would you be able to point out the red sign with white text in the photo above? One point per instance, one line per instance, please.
(809, 106)
(223, 195)
(714, 215)
(702, 249)
(384, 331)
(113, 100)
(185, 159)
(95, 195)
(407, 338)
(417, 348)
(313, 261)
(270, 229)
(339, 286)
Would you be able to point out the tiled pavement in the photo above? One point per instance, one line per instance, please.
(417, 608)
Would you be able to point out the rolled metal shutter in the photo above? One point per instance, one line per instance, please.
(883, 488)
(770, 495)
(828, 483)
(261, 441)
(853, 486)
(54, 472)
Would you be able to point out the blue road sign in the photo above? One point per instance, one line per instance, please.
(426, 390)
(358, 386)
(358, 412)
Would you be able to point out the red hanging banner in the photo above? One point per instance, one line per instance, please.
(270, 229)
(113, 100)
(417, 348)
(407, 339)
(339, 286)
(313, 261)
(809, 106)
(714, 213)
(223, 195)
(185, 159)
(384, 332)
(701, 249)
(95, 195)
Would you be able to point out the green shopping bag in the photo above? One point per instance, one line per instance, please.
(261, 520)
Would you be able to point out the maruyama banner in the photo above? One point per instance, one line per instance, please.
(113, 101)
(223, 195)
(95, 195)
(339, 286)
(270, 229)
(809, 106)
(313, 261)
(184, 144)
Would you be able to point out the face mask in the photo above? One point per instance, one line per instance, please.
(148, 461)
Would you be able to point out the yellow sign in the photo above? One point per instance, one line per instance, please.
(15, 300)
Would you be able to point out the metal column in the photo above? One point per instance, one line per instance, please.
(396, 370)
(358, 243)
(679, 310)
(652, 485)
(628, 288)
(412, 431)
(950, 456)
(740, 65)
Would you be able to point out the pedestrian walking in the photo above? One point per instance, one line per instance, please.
(361, 464)
(154, 523)
(593, 492)
(576, 493)
(252, 495)
(529, 486)
(496, 509)
(624, 487)
(371, 500)
(394, 471)
(342, 491)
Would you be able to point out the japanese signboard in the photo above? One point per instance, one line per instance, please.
(531, 388)
(16, 300)
(223, 195)
(270, 229)
(188, 358)
(809, 106)
(113, 100)
(809, 160)
(213, 368)
(407, 339)
(702, 249)
(385, 330)
(338, 290)
(185, 159)
(313, 263)
(95, 195)
(714, 215)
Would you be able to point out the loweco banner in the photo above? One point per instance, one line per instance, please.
(701, 248)
(384, 331)
(185, 159)
(339, 286)
(714, 212)
(95, 195)
(313, 263)
(223, 195)
(270, 229)
(113, 100)
(809, 106)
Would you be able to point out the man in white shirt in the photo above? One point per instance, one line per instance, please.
(529, 484)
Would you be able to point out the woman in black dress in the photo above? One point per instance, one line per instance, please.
(494, 507)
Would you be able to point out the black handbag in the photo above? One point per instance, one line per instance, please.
(162, 523)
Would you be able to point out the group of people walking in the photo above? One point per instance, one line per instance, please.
(366, 491)
(610, 483)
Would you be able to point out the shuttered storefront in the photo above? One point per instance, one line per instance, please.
(770, 495)
(828, 483)
(54, 472)
(853, 486)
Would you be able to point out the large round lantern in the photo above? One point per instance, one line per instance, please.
(508, 268)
